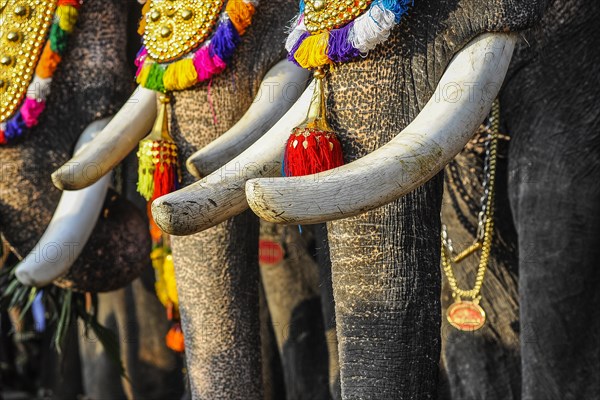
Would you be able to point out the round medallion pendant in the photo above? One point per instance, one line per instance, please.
(174, 28)
(466, 316)
(324, 15)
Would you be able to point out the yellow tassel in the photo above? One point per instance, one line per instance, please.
(169, 279)
(312, 53)
(158, 259)
(180, 75)
(143, 76)
(67, 17)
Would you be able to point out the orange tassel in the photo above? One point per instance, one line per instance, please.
(142, 25)
(240, 13)
(174, 338)
(48, 63)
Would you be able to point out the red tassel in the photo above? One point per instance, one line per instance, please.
(165, 179)
(174, 338)
(310, 151)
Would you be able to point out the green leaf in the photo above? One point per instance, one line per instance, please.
(63, 320)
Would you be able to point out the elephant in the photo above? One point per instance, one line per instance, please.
(217, 271)
(89, 85)
(382, 208)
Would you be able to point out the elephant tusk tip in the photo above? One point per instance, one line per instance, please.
(193, 168)
(57, 179)
(169, 219)
(25, 278)
(261, 203)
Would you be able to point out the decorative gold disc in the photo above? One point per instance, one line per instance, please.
(321, 15)
(24, 26)
(173, 28)
(466, 316)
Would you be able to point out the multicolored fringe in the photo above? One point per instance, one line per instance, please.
(28, 115)
(158, 161)
(202, 64)
(348, 42)
(165, 286)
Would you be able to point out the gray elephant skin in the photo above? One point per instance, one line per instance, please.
(92, 82)
(385, 263)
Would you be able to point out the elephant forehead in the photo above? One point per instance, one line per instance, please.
(173, 28)
(25, 24)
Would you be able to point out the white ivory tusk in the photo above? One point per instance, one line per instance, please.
(440, 131)
(130, 125)
(70, 227)
(220, 195)
(279, 90)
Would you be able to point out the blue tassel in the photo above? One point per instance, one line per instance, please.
(224, 41)
(398, 7)
(15, 127)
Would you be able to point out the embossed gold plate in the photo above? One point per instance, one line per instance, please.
(173, 27)
(24, 26)
(466, 316)
(321, 15)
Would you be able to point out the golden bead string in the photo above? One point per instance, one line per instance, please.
(484, 243)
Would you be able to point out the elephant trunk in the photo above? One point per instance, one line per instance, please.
(217, 282)
(387, 290)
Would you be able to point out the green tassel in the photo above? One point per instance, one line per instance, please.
(58, 39)
(155, 78)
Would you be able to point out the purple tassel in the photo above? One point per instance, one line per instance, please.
(224, 41)
(295, 48)
(15, 127)
(39, 313)
(340, 49)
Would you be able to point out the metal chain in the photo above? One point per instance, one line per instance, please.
(485, 221)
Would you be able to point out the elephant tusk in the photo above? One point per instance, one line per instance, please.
(130, 125)
(70, 226)
(440, 131)
(279, 90)
(220, 195)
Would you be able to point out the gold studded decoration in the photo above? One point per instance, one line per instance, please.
(25, 24)
(173, 28)
(322, 15)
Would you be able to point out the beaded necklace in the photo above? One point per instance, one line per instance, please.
(327, 32)
(178, 53)
(35, 36)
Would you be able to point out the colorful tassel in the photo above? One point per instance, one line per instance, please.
(27, 116)
(312, 52)
(313, 146)
(208, 60)
(174, 338)
(348, 42)
(157, 155)
(180, 75)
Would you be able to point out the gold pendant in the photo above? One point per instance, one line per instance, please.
(466, 315)
(174, 28)
(25, 24)
(329, 14)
